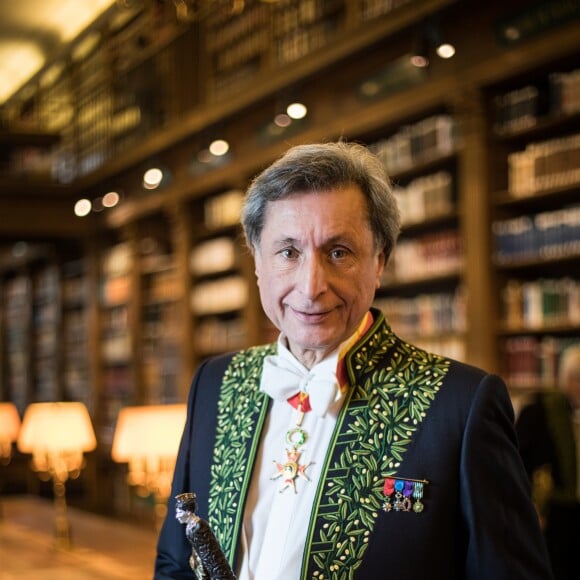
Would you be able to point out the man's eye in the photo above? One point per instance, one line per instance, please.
(289, 253)
(338, 253)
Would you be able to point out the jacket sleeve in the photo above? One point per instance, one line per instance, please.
(173, 548)
(503, 535)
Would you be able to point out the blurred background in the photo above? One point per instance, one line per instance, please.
(129, 130)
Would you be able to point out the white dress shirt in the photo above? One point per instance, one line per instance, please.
(276, 523)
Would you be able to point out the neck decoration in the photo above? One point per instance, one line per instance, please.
(295, 438)
(286, 380)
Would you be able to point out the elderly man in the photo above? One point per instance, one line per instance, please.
(342, 451)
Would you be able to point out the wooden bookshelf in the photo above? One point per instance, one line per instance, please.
(536, 220)
(446, 145)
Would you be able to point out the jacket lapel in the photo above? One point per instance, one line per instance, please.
(394, 386)
(242, 409)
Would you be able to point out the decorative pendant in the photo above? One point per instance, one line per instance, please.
(295, 438)
(291, 470)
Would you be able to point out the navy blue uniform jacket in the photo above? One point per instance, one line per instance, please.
(410, 415)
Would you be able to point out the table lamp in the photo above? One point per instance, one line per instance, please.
(57, 435)
(9, 427)
(147, 438)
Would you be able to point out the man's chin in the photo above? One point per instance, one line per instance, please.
(314, 339)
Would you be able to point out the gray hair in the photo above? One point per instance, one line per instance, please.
(321, 167)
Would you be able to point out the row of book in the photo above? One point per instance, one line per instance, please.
(74, 291)
(544, 165)
(521, 108)
(76, 356)
(371, 9)
(46, 284)
(550, 234)
(17, 344)
(541, 303)
(532, 361)
(225, 30)
(76, 376)
(116, 350)
(426, 314)
(56, 105)
(426, 197)
(45, 355)
(212, 256)
(246, 49)
(161, 287)
(160, 352)
(301, 42)
(226, 294)
(290, 16)
(215, 335)
(298, 27)
(45, 334)
(29, 162)
(450, 346)
(428, 255)
(223, 210)
(91, 104)
(517, 109)
(426, 140)
(116, 290)
(117, 260)
(565, 92)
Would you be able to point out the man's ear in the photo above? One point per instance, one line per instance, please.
(381, 263)
(257, 263)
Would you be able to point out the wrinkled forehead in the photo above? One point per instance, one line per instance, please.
(341, 209)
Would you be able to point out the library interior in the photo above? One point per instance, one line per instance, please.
(127, 143)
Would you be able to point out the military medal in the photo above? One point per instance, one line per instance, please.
(404, 495)
(296, 437)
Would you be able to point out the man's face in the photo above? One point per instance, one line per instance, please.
(317, 269)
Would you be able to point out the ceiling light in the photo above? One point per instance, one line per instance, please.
(219, 147)
(445, 50)
(83, 207)
(296, 110)
(152, 178)
(282, 120)
(61, 21)
(18, 62)
(419, 60)
(111, 199)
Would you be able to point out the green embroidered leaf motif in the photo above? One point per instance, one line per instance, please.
(366, 519)
(370, 462)
(239, 407)
(319, 561)
(397, 398)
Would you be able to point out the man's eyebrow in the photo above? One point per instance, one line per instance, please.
(287, 241)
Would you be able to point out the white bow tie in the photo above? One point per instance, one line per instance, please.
(282, 380)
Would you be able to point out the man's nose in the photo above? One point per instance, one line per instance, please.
(313, 276)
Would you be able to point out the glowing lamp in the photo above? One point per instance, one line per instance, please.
(57, 435)
(147, 438)
(9, 427)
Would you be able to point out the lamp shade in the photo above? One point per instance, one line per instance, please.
(149, 431)
(56, 428)
(9, 422)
